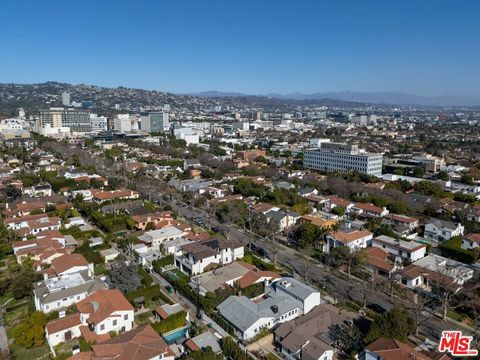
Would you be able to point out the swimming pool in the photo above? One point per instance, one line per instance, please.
(176, 334)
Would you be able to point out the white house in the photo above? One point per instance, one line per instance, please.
(99, 314)
(195, 258)
(63, 329)
(434, 268)
(406, 250)
(440, 230)
(105, 311)
(109, 254)
(471, 241)
(155, 238)
(60, 292)
(285, 219)
(369, 210)
(355, 239)
(285, 300)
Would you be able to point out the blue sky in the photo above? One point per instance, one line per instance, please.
(425, 47)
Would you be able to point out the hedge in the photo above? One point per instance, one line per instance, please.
(173, 322)
(459, 254)
(147, 292)
(254, 290)
(160, 263)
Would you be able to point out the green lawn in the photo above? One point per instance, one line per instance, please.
(100, 269)
(452, 314)
(17, 314)
(143, 318)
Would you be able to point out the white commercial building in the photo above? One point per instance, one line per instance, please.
(122, 122)
(343, 158)
(99, 123)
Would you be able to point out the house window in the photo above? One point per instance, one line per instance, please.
(102, 327)
(125, 317)
(114, 322)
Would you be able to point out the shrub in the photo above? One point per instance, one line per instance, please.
(147, 292)
(173, 322)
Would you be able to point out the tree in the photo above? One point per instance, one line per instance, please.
(468, 179)
(125, 278)
(443, 175)
(12, 193)
(232, 351)
(204, 354)
(230, 213)
(347, 339)
(343, 255)
(150, 226)
(394, 324)
(418, 172)
(32, 331)
(307, 235)
(22, 283)
(338, 210)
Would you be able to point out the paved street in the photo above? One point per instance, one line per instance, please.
(431, 326)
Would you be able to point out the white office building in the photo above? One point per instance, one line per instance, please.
(343, 158)
(99, 123)
(122, 122)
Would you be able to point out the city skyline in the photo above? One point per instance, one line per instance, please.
(248, 47)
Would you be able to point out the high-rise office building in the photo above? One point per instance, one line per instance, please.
(122, 122)
(98, 123)
(155, 122)
(76, 120)
(66, 98)
(343, 158)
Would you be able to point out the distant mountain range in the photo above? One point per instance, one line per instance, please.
(391, 98)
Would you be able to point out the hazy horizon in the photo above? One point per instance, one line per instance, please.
(248, 47)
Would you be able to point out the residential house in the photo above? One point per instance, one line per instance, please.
(142, 343)
(155, 238)
(334, 201)
(474, 214)
(440, 230)
(284, 300)
(285, 219)
(354, 239)
(369, 210)
(33, 224)
(309, 337)
(120, 194)
(307, 191)
(471, 241)
(434, 268)
(391, 349)
(203, 341)
(105, 311)
(317, 220)
(237, 274)
(191, 163)
(197, 257)
(409, 251)
(378, 261)
(401, 220)
(60, 292)
(155, 218)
